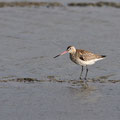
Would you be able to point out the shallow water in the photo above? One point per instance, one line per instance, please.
(31, 37)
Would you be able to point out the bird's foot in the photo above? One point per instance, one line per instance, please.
(84, 85)
(80, 78)
(85, 81)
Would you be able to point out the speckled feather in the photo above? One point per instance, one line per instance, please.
(86, 55)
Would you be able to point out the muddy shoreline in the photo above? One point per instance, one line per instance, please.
(53, 79)
(58, 4)
(96, 4)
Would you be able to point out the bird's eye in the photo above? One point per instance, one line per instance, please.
(69, 49)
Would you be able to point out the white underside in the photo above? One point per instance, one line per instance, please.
(90, 62)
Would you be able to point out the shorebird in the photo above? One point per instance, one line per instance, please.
(83, 58)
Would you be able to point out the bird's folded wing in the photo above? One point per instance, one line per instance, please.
(85, 55)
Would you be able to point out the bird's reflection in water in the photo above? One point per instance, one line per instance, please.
(81, 91)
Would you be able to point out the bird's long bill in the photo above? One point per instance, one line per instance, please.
(61, 54)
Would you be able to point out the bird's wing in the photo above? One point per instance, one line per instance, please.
(86, 55)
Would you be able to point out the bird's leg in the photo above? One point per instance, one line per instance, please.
(86, 72)
(81, 73)
(86, 76)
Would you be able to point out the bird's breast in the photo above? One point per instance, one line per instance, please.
(78, 61)
(74, 58)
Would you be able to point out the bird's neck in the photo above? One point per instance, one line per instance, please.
(73, 53)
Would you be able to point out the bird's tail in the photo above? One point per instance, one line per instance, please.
(103, 56)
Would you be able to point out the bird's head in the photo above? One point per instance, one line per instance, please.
(70, 49)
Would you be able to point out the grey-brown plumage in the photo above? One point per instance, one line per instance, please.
(86, 55)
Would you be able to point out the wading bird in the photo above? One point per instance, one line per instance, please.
(83, 58)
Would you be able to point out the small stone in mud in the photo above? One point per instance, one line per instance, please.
(51, 78)
(26, 80)
(113, 81)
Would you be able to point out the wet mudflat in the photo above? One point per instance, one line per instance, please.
(51, 101)
(58, 4)
(33, 85)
